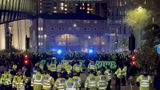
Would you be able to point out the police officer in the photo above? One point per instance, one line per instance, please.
(68, 68)
(48, 81)
(77, 68)
(36, 80)
(144, 81)
(91, 82)
(70, 84)
(59, 68)
(19, 81)
(60, 82)
(118, 75)
(92, 66)
(6, 79)
(124, 74)
(108, 74)
(52, 67)
(102, 81)
(77, 80)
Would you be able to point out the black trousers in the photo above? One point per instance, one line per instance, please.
(54, 75)
(109, 85)
(124, 81)
(6, 87)
(118, 83)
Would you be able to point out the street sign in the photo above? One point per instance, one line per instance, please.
(158, 49)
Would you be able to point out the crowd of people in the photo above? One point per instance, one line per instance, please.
(54, 75)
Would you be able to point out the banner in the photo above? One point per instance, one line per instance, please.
(99, 64)
(111, 64)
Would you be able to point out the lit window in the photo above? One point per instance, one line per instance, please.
(65, 5)
(65, 9)
(62, 8)
(39, 36)
(103, 43)
(41, 28)
(39, 44)
(125, 3)
(62, 4)
(54, 11)
(80, 7)
(55, 7)
(60, 21)
(88, 12)
(88, 4)
(40, 11)
(45, 36)
(89, 37)
(82, 4)
(74, 25)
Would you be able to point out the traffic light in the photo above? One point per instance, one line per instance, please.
(133, 61)
(26, 60)
(26, 56)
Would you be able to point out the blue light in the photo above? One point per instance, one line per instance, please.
(90, 51)
(158, 49)
(59, 51)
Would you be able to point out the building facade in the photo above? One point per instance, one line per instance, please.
(15, 23)
(72, 7)
(107, 35)
(76, 35)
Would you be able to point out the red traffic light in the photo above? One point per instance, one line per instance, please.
(133, 58)
(26, 62)
(133, 63)
(26, 56)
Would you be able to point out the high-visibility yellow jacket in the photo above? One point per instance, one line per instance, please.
(68, 68)
(59, 68)
(108, 74)
(77, 80)
(77, 68)
(19, 82)
(118, 73)
(91, 82)
(6, 78)
(124, 71)
(92, 67)
(144, 82)
(47, 82)
(0, 81)
(102, 82)
(60, 84)
(52, 67)
(36, 81)
(70, 84)
(14, 67)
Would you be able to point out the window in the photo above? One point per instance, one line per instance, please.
(74, 25)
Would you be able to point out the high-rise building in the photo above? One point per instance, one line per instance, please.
(109, 34)
(71, 7)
